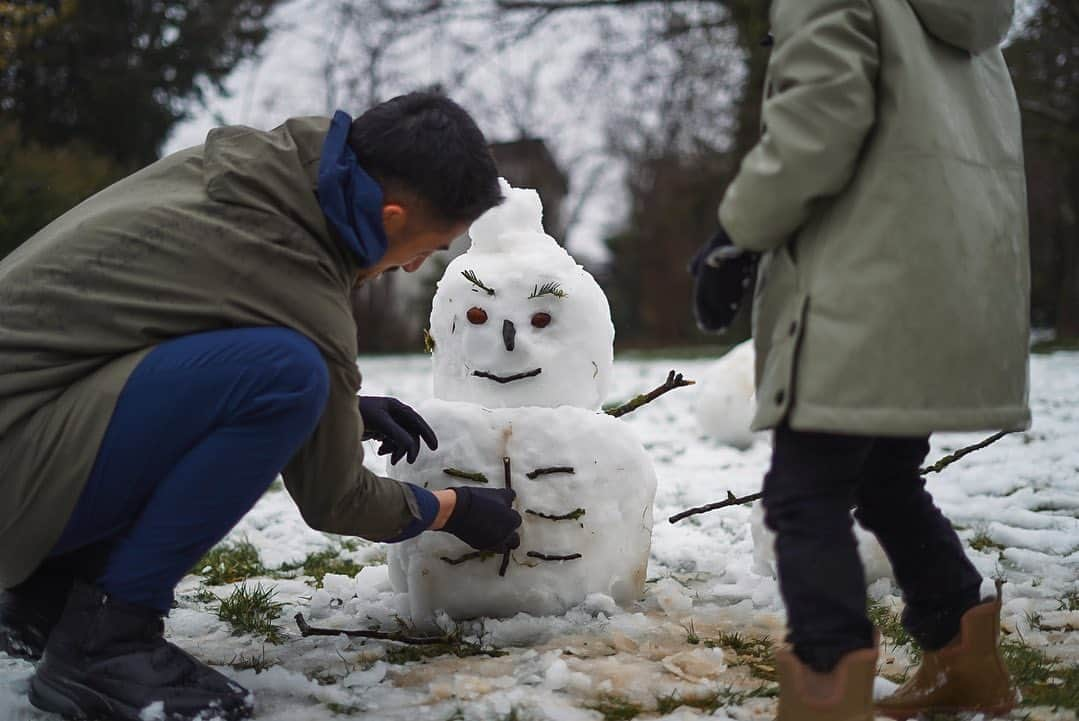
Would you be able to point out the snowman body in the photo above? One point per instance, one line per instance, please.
(523, 351)
(584, 491)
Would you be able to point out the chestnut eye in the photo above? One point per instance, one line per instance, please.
(477, 316)
(541, 320)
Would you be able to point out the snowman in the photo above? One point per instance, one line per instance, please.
(522, 345)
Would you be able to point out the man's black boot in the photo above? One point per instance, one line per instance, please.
(108, 659)
(29, 611)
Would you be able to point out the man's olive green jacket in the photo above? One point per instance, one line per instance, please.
(224, 235)
(888, 194)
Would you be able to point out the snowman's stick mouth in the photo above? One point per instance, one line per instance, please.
(507, 379)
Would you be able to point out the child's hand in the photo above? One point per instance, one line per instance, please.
(722, 274)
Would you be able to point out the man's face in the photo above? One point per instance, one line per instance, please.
(412, 240)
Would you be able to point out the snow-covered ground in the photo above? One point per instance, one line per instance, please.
(1018, 498)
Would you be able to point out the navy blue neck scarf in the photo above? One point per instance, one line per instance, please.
(350, 198)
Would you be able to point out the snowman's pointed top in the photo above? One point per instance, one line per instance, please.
(516, 224)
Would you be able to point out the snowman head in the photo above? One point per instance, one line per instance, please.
(516, 321)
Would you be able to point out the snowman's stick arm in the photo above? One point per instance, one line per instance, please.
(949, 460)
(935, 468)
(731, 500)
(674, 380)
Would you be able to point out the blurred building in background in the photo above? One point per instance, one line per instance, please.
(528, 163)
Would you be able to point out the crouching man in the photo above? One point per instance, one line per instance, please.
(172, 344)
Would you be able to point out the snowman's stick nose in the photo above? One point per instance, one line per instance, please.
(509, 334)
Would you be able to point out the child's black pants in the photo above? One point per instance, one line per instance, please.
(815, 480)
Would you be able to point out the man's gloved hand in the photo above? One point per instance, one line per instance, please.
(396, 426)
(722, 274)
(484, 519)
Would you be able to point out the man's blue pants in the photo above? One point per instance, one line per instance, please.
(203, 426)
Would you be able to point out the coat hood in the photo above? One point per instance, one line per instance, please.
(971, 25)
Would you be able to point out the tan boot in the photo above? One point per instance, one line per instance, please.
(966, 675)
(844, 694)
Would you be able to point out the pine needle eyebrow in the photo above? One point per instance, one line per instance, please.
(554, 289)
(470, 276)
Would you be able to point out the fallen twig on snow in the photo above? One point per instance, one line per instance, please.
(307, 630)
(674, 380)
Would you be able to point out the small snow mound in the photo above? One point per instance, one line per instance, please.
(672, 597)
(726, 401)
(600, 603)
(558, 676)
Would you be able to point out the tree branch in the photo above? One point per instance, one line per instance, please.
(306, 630)
(674, 380)
(949, 460)
(937, 467)
(731, 500)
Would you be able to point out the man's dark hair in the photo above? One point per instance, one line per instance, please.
(425, 144)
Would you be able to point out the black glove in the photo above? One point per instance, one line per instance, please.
(484, 519)
(722, 275)
(396, 426)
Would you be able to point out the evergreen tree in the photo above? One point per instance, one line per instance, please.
(118, 74)
(1045, 66)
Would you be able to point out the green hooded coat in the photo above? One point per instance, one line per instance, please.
(888, 194)
(227, 234)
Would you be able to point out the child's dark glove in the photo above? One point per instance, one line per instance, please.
(396, 426)
(484, 519)
(722, 275)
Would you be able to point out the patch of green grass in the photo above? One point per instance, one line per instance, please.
(756, 653)
(229, 563)
(1044, 681)
(407, 653)
(691, 634)
(204, 595)
(253, 611)
(258, 664)
(890, 626)
(1070, 602)
(348, 543)
(318, 564)
(715, 700)
(340, 709)
(376, 558)
(982, 542)
(617, 708)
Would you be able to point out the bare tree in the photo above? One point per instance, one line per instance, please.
(627, 93)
